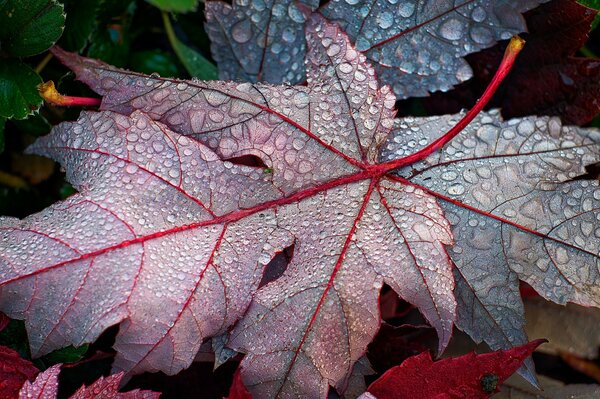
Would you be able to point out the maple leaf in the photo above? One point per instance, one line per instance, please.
(45, 386)
(190, 234)
(547, 79)
(416, 48)
(506, 188)
(170, 239)
(469, 376)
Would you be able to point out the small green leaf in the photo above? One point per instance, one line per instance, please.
(80, 23)
(66, 190)
(14, 336)
(154, 61)
(18, 89)
(196, 64)
(175, 5)
(595, 4)
(70, 354)
(36, 125)
(29, 27)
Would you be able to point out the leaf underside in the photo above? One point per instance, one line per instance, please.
(171, 241)
(415, 47)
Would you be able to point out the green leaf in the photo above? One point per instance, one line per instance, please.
(18, 89)
(14, 336)
(595, 4)
(175, 5)
(2, 123)
(154, 61)
(29, 27)
(196, 64)
(70, 354)
(81, 21)
(36, 125)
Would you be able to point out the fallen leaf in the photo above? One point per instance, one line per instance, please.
(570, 328)
(515, 388)
(470, 376)
(14, 371)
(45, 386)
(191, 231)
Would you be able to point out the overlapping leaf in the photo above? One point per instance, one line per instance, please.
(470, 376)
(506, 188)
(171, 240)
(416, 47)
(45, 386)
(548, 79)
(258, 41)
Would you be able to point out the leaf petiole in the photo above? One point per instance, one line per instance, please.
(49, 93)
(514, 47)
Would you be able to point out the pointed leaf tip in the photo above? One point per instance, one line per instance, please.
(473, 376)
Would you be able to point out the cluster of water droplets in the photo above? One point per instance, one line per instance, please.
(350, 111)
(418, 47)
(258, 40)
(520, 171)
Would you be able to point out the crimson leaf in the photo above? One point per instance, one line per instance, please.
(45, 386)
(14, 371)
(470, 376)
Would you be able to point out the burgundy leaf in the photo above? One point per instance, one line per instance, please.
(548, 78)
(4, 320)
(470, 376)
(238, 390)
(45, 386)
(14, 371)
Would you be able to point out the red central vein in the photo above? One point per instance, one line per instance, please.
(367, 171)
(226, 218)
(336, 269)
(413, 28)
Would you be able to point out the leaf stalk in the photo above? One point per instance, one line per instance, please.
(49, 93)
(515, 46)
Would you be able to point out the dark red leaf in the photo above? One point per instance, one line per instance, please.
(392, 345)
(4, 320)
(14, 371)
(238, 389)
(470, 376)
(547, 78)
